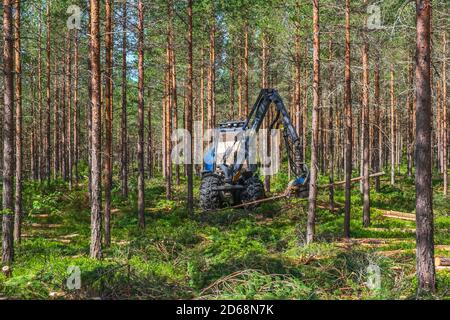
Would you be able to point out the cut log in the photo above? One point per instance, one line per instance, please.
(442, 268)
(442, 261)
(399, 215)
(339, 183)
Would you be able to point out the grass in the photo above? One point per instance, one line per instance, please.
(230, 254)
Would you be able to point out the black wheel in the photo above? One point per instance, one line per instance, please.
(210, 199)
(254, 190)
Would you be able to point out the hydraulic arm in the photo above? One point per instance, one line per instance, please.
(267, 98)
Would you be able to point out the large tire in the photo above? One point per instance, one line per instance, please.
(210, 199)
(254, 190)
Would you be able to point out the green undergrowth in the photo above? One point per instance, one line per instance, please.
(229, 254)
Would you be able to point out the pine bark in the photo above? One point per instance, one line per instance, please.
(189, 167)
(47, 144)
(348, 123)
(310, 232)
(365, 123)
(18, 133)
(331, 136)
(140, 147)
(377, 127)
(424, 190)
(444, 116)
(96, 215)
(8, 137)
(75, 108)
(392, 119)
(107, 159)
(123, 118)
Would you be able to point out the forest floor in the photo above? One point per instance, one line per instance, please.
(232, 254)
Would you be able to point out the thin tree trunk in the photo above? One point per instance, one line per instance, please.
(75, 109)
(96, 216)
(331, 129)
(211, 74)
(69, 110)
(107, 159)
(140, 146)
(365, 123)
(267, 120)
(89, 108)
(173, 80)
(40, 107)
(33, 160)
(348, 123)
(392, 138)
(232, 71)
(47, 144)
(168, 105)
(18, 101)
(410, 137)
(189, 167)
(377, 128)
(150, 147)
(123, 120)
(444, 115)
(424, 190)
(310, 232)
(56, 124)
(8, 138)
(246, 96)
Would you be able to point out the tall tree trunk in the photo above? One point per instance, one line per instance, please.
(18, 101)
(33, 160)
(246, 48)
(424, 189)
(140, 146)
(123, 119)
(63, 148)
(168, 104)
(56, 125)
(96, 215)
(315, 127)
(75, 109)
(202, 99)
(240, 81)
(47, 144)
(150, 147)
(173, 81)
(232, 84)
(365, 123)
(8, 137)
(267, 120)
(330, 127)
(107, 159)
(297, 91)
(410, 135)
(89, 107)
(69, 109)
(392, 138)
(189, 167)
(40, 150)
(212, 74)
(377, 127)
(444, 115)
(348, 123)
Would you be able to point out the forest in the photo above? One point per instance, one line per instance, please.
(127, 160)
